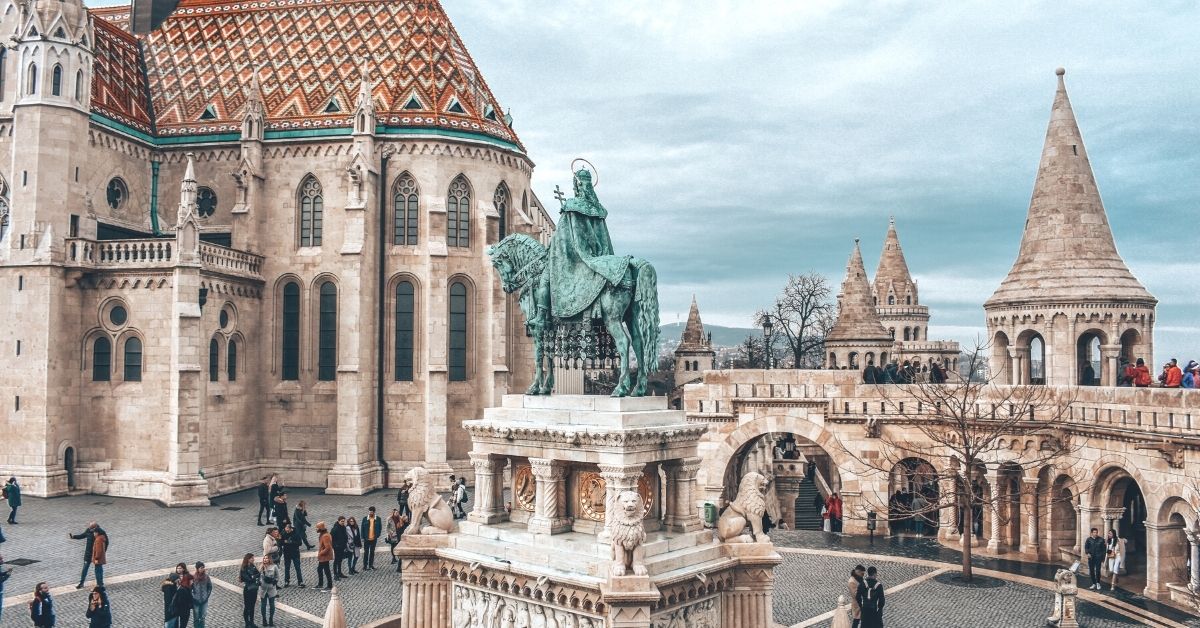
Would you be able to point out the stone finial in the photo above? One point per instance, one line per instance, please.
(693, 338)
(892, 271)
(1060, 71)
(187, 189)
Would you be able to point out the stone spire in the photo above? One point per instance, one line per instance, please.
(892, 276)
(694, 338)
(857, 319)
(187, 190)
(253, 116)
(1067, 252)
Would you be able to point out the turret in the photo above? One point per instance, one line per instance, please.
(694, 353)
(857, 338)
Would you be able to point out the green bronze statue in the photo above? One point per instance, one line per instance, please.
(583, 305)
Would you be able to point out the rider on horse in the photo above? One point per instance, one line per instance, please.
(581, 253)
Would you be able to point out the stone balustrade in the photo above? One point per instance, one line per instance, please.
(215, 258)
(157, 253)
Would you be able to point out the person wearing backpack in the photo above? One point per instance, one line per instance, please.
(870, 600)
(41, 607)
(1141, 374)
(460, 498)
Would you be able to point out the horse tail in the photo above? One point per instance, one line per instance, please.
(645, 313)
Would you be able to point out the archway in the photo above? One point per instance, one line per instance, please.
(1001, 364)
(1131, 345)
(1035, 370)
(1008, 505)
(913, 496)
(800, 474)
(1060, 534)
(1171, 547)
(69, 465)
(1120, 493)
(1091, 367)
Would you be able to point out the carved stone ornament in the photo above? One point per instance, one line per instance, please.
(628, 534)
(702, 614)
(592, 490)
(425, 502)
(741, 521)
(475, 608)
(524, 488)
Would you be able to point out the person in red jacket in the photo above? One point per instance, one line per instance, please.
(1174, 377)
(1142, 377)
(833, 509)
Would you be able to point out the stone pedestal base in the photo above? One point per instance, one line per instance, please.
(356, 479)
(425, 590)
(185, 490)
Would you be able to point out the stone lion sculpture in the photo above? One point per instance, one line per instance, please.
(742, 520)
(628, 533)
(424, 502)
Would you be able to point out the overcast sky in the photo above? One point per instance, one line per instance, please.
(738, 142)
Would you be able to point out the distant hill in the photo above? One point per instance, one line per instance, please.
(721, 336)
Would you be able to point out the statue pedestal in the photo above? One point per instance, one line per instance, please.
(572, 463)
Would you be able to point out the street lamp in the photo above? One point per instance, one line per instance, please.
(767, 325)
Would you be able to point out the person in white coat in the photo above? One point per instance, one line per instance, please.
(1115, 553)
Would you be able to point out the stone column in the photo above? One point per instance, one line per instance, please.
(948, 519)
(1084, 517)
(489, 489)
(1029, 509)
(749, 601)
(550, 505)
(1193, 537)
(1014, 362)
(1163, 559)
(617, 478)
(682, 515)
(184, 486)
(1109, 354)
(993, 544)
(425, 592)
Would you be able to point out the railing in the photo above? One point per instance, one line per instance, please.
(158, 253)
(217, 258)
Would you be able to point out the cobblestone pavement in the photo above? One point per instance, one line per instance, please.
(147, 540)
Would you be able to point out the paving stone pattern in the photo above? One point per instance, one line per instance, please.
(809, 585)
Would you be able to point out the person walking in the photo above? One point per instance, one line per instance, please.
(264, 500)
(300, 522)
(99, 614)
(870, 600)
(834, 507)
(281, 509)
(290, 544)
(855, 581)
(1095, 549)
(270, 543)
(372, 528)
(12, 493)
(324, 555)
(248, 576)
(201, 593)
(353, 543)
(460, 498)
(338, 536)
(919, 509)
(1115, 552)
(169, 586)
(182, 603)
(41, 607)
(274, 488)
(402, 500)
(392, 533)
(270, 591)
(89, 553)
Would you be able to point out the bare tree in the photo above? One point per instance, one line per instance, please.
(802, 316)
(751, 353)
(969, 423)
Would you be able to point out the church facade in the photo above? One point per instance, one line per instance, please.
(229, 248)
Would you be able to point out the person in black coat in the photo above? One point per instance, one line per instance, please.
(88, 535)
(264, 502)
(291, 541)
(99, 614)
(301, 524)
(402, 500)
(181, 604)
(340, 537)
(870, 600)
(281, 508)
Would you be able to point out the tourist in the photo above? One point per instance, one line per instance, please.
(1088, 378)
(291, 541)
(270, 590)
(1172, 375)
(1095, 549)
(92, 554)
(870, 600)
(353, 543)
(919, 509)
(281, 508)
(810, 470)
(1191, 375)
(182, 604)
(338, 536)
(300, 522)
(392, 533)
(169, 586)
(264, 500)
(41, 607)
(4, 576)
(248, 576)
(402, 500)
(270, 543)
(201, 593)
(372, 528)
(99, 614)
(856, 579)
(1141, 374)
(460, 498)
(1115, 552)
(274, 488)
(12, 493)
(833, 506)
(324, 555)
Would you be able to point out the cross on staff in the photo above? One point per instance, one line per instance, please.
(558, 194)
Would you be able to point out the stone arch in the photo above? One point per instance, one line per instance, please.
(909, 477)
(1001, 361)
(1131, 345)
(1058, 522)
(1088, 345)
(1168, 543)
(1120, 486)
(1032, 349)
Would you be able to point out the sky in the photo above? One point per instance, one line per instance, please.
(739, 141)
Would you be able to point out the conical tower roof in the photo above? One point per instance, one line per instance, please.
(893, 269)
(1067, 253)
(694, 338)
(857, 319)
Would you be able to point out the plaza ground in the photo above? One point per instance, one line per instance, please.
(148, 540)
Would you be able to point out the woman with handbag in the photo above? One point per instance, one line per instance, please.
(249, 577)
(1115, 555)
(392, 533)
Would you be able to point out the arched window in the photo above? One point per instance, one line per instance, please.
(133, 359)
(695, 365)
(908, 333)
(312, 209)
(908, 300)
(31, 81)
(3, 69)
(327, 334)
(78, 85)
(102, 359)
(405, 202)
(916, 333)
(214, 360)
(458, 332)
(405, 330)
(501, 200)
(458, 212)
(1037, 360)
(891, 299)
(56, 80)
(231, 361)
(3, 198)
(291, 332)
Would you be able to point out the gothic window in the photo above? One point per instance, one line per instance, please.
(312, 208)
(214, 360)
(133, 359)
(458, 332)
(116, 193)
(405, 202)
(78, 85)
(206, 202)
(500, 199)
(291, 332)
(231, 361)
(891, 299)
(327, 334)
(56, 80)
(1037, 360)
(102, 359)
(405, 330)
(908, 300)
(3, 69)
(916, 333)
(31, 82)
(3, 193)
(458, 212)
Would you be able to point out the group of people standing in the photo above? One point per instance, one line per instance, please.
(866, 597)
(913, 511)
(1104, 552)
(1138, 375)
(908, 372)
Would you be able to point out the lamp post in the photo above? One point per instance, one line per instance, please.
(767, 325)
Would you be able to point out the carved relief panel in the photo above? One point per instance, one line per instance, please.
(702, 614)
(480, 608)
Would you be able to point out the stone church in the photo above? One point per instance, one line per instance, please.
(251, 241)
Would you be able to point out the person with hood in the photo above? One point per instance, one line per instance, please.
(201, 593)
(1191, 375)
(12, 492)
(1141, 374)
(99, 614)
(870, 600)
(41, 607)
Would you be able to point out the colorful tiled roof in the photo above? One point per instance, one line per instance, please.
(119, 88)
(309, 55)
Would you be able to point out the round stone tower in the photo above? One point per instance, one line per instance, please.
(857, 338)
(1069, 311)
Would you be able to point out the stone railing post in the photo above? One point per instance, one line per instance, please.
(489, 486)
(550, 505)
(1029, 508)
(682, 515)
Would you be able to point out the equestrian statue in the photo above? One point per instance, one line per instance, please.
(584, 306)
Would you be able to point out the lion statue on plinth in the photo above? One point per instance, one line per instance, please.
(628, 534)
(424, 502)
(742, 520)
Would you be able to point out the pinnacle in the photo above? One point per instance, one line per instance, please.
(892, 271)
(693, 333)
(857, 318)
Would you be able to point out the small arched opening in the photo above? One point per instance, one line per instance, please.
(69, 464)
(913, 497)
(1087, 356)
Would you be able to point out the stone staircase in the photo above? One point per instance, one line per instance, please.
(807, 516)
